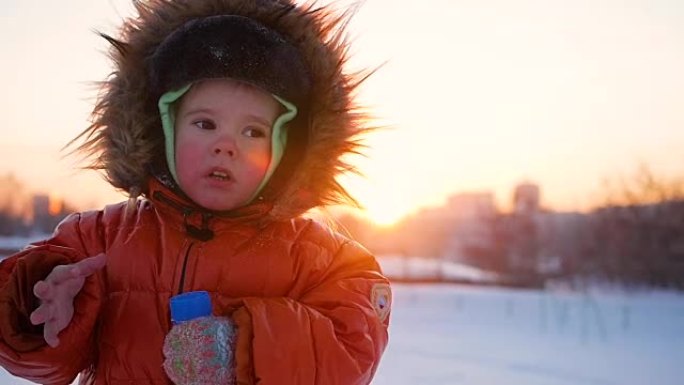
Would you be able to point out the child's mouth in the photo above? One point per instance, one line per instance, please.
(220, 175)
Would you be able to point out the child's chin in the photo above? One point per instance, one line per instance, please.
(217, 204)
(220, 207)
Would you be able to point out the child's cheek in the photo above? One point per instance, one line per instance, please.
(193, 148)
(188, 155)
(259, 160)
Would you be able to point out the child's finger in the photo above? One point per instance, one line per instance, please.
(88, 266)
(43, 290)
(40, 315)
(50, 334)
(60, 274)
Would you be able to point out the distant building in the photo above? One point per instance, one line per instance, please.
(526, 199)
(541, 243)
(563, 240)
(471, 235)
(439, 232)
(472, 205)
(48, 211)
(526, 245)
(41, 206)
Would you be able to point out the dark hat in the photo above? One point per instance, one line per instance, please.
(230, 46)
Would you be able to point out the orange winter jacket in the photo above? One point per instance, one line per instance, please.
(311, 306)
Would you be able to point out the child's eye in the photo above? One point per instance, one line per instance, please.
(255, 132)
(204, 124)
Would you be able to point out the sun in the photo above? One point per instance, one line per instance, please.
(383, 201)
(382, 215)
(381, 208)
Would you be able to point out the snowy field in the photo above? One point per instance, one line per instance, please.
(451, 334)
(486, 336)
(473, 335)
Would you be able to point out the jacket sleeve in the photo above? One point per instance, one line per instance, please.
(334, 334)
(23, 351)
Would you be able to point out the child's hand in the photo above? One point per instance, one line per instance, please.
(57, 293)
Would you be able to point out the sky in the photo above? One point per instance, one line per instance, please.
(477, 95)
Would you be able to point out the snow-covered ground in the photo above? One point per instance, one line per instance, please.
(453, 334)
(420, 268)
(449, 334)
(13, 243)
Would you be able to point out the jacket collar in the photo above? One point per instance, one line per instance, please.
(199, 222)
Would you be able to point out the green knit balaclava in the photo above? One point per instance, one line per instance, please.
(167, 104)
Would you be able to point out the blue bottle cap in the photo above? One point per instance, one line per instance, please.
(190, 305)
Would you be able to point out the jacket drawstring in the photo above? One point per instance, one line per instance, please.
(202, 234)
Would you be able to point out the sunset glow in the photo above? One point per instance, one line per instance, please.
(56, 205)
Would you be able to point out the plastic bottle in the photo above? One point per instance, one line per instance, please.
(190, 305)
(199, 347)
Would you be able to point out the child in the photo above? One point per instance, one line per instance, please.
(229, 118)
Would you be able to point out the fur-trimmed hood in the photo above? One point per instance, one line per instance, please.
(126, 140)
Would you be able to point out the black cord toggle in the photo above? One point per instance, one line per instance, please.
(204, 234)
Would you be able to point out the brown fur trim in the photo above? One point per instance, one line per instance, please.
(125, 138)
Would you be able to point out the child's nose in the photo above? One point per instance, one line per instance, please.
(226, 147)
(230, 153)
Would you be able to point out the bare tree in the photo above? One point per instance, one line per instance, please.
(639, 234)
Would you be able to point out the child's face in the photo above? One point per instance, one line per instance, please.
(223, 142)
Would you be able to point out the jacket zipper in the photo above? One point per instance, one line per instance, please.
(204, 233)
(181, 282)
